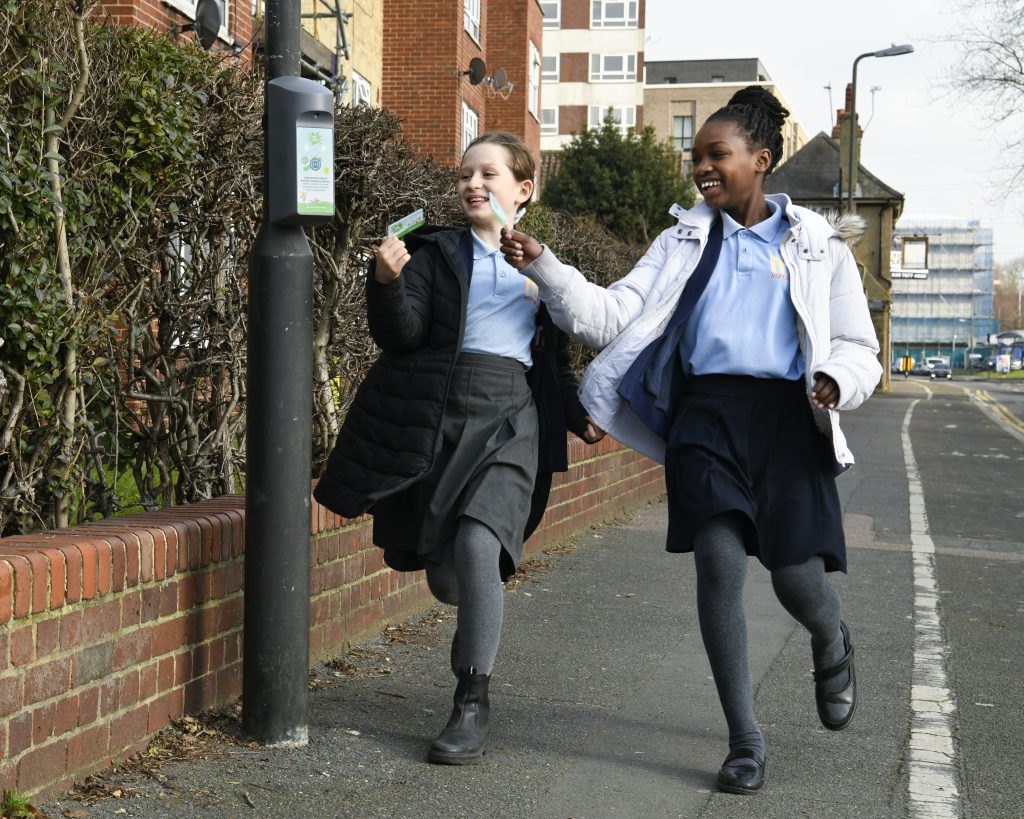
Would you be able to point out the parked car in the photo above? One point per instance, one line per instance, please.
(940, 371)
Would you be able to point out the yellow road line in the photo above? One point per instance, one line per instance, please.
(1001, 412)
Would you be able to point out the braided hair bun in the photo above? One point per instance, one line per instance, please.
(759, 116)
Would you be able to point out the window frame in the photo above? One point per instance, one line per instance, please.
(624, 121)
(630, 18)
(549, 129)
(534, 82)
(556, 21)
(602, 75)
(471, 23)
(546, 76)
(358, 81)
(469, 114)
(188, 8)
(679, 141)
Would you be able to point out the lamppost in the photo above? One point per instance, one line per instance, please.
(952, 353)
(892, 51)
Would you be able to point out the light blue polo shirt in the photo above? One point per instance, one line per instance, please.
(744, 323)
(501, 317)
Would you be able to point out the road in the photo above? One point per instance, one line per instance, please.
(603, 702)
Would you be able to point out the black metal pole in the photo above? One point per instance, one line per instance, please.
(275, 675)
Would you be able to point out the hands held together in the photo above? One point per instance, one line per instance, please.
(519, 248)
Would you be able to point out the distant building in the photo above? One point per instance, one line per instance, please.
(679, 95)
(593, 64)
(236, 17)
(429, 49)
(942, 288)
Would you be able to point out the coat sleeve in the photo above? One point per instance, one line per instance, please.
(593, 314)
(398, 313)
(575, 414)
(853, 354)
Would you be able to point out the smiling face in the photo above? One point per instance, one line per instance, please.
(484, 170)
(728, 173)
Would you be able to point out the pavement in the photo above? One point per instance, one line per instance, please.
(602, 700)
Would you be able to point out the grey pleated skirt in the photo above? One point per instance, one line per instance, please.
(484, 468)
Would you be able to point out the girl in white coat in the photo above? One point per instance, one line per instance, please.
(725, 354)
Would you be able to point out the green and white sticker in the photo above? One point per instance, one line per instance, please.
(315, 171)
(407, 224)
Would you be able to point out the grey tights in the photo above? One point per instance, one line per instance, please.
(471, 579)
(721, 562)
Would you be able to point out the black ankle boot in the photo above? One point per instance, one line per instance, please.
(462, 740)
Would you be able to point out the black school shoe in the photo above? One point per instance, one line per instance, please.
(741, 777)
(835, 708)
(462, 740)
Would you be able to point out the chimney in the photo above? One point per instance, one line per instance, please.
(841, 131)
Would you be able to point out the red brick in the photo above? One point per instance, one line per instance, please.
(165, 675)
(66, 718)
(47, 635)
(150, 604)
(12, 695)
(147, 682)
(163, 709)
(104, 566)
(5, 651)
(108, 697)
(23, 646)
(126, 730)
(168, 637)
(41, 766)
(131, 609)
(47, 680)
(43, 719)
(182, 668)
(90, 569)
(73, 572)
(206, 540)
(129, 690)
(88, 705)
(6, 591)
(22, 571)
(100, 621)
(132, 648)
(218, 582)
(88, 747)
(19, 733)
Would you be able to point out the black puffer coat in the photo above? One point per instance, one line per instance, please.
(389, 436)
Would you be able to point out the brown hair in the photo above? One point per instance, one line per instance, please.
(520, 157)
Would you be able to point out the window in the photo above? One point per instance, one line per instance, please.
(612, 67)
(549, 120)
(915, 253)
(613, 14)
(471, 18)
(717, 78)
(625, 116)
(549, 70)
(188, 7)
(552, 14)
(534, 97)
(470, 126)
(682, 133)
(362, 91)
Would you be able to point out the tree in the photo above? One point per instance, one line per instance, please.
(990, 69)
(1009, 287)
(626, 183)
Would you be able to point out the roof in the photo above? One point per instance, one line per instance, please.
(812, 173)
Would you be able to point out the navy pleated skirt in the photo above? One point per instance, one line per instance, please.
(749, 445)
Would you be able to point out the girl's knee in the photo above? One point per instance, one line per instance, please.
(443, 583)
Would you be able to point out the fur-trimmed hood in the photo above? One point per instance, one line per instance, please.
(849, 227)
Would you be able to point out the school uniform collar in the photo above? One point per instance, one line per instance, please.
(767, 231)
(481, 250)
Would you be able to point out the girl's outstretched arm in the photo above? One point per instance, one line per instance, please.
(593, 314)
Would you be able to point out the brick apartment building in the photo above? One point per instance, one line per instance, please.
(593, 65)
(161, 15)
(428, 47)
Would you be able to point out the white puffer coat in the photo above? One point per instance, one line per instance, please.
(837, 337)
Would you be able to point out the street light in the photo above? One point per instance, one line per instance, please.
(892, 51)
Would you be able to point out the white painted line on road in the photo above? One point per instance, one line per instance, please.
(932, 763)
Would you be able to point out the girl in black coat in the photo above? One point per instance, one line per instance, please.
(452, 437)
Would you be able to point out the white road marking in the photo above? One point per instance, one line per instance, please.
(932, 761)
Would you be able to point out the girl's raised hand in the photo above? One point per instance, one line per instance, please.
(825, 392)
(519, 248)
(392, 256)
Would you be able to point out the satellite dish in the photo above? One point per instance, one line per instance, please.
(477, 71)
(499, 78)
(207, 24)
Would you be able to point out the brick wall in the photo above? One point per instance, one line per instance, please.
(108, 631)
(509, 37)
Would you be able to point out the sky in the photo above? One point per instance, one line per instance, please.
(933, 145)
